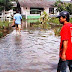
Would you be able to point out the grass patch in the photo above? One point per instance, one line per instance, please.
(1, 34)
(4, 24)
(57, 31)
(54, 20)
(71, 20)
(43, 26)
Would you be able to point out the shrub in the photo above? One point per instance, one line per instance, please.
(4, 24)
(1, 34)
(71, 20)
(54, 20)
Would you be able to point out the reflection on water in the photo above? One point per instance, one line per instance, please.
(35, 50)
(35, 24)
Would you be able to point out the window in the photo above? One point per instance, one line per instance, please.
(51, 10)
(36, 10)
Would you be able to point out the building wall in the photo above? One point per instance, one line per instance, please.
(55, 12)
(46, 10)
(26, 12)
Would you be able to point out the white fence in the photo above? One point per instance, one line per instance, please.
(8, 15)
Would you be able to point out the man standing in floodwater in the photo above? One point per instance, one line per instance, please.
(66, 43)
(18, 21)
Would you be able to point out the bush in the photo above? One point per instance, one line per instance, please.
(1, 34)
(57, 31)
(54, 20)
(4, 24)
(71, 20)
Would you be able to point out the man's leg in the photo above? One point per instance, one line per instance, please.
(19, 28)
(70, 65)
(58, 70)
(16, 25)
(62, 65)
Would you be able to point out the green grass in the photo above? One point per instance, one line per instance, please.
(1, 34)
(71, 20)
(56, 20)
(43, 26)
(57, 31)
(4, 24)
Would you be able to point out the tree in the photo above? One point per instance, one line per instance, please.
(5, 4)
(63, 6)
(44, 19)
(69, 8)
(59, 6)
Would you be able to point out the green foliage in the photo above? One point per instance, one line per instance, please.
(44, 19)
(5, 4)
(54, 20)
(57, 31)
(71, 20)
(1, 34)
(63, 6)
(69, 8)
(4, 24)
(59, 4)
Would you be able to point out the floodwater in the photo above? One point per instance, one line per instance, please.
(35, 50)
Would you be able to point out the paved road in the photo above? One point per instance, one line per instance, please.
(33, 51)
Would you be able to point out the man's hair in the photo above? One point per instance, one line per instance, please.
(67, 18)
(17, 11)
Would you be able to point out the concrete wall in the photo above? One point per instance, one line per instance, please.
(46, 10)
(55, 12)
(26, 11)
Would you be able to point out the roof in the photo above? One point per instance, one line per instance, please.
(38, 3)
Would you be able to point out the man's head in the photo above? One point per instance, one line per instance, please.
(63, 16)
(17, 11)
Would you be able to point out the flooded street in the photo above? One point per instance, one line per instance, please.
(33, 51)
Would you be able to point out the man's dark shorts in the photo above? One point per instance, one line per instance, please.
(16, 25)
(62, 65)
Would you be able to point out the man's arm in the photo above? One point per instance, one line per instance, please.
(21, 22)
(13, 22)
(65, 44)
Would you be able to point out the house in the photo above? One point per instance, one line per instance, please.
(34, 8)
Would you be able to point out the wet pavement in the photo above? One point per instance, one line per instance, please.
(32, 51)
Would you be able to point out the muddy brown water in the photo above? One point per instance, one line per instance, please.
(33, 51)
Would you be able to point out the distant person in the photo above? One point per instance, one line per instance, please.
(65, 56)
(17, 20)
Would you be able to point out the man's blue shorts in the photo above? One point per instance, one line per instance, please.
(62, 65)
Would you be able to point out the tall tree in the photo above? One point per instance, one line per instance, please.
(63, 6)
(5, 4)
